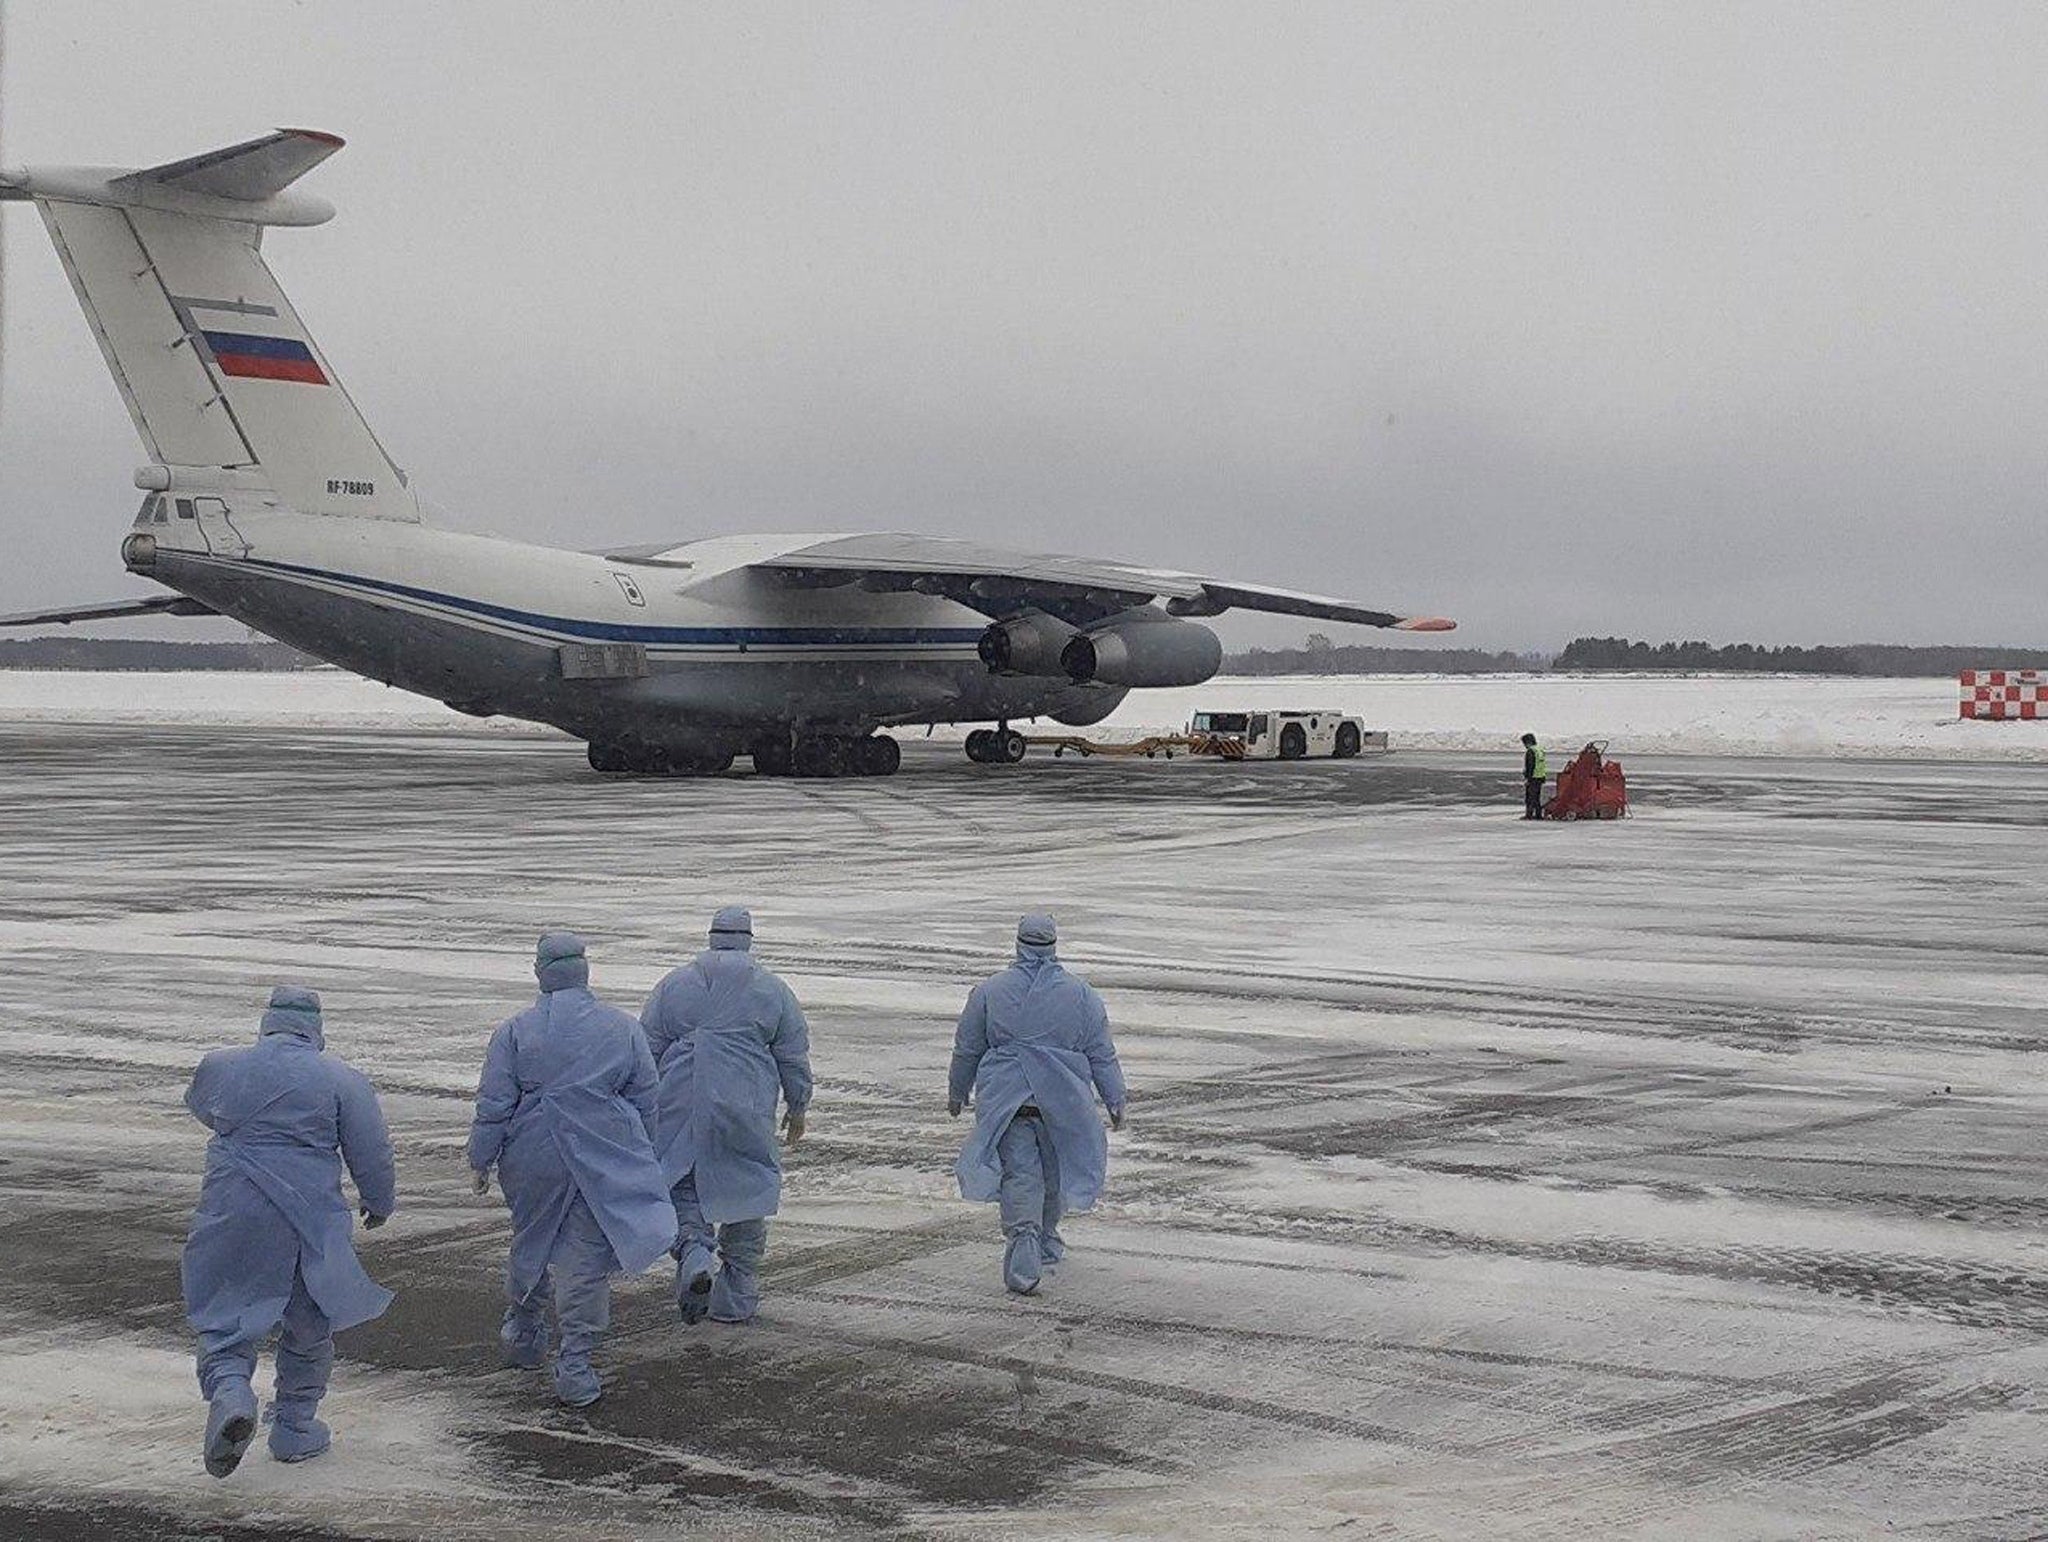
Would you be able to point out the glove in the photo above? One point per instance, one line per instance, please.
(1116, 1118)
(480, 1181)
(792, 1127)
(372, 1222)
(953, 1107)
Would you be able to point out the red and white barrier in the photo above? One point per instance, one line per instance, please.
(1999, 694)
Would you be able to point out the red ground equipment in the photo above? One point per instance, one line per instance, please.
(1591, 787)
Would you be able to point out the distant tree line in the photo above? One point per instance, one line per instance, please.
(1882, 659)
(1893, 659)
(138, 653)
(1320, 656)
(1621, 653)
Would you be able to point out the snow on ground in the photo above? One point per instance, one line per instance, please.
(1802, 715)
(114, 1414)
(325, 698)
(1681, 1177)
(1798, 715)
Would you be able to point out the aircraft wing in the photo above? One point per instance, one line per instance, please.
(112, 610)
(1288, 602)
(1003, 583)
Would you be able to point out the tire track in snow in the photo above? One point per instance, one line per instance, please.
(1258, 1410)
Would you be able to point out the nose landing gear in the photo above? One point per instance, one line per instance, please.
(999, 746)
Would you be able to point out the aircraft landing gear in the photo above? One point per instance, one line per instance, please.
(629, 757)
(710, 763)
(1002, 746)
(822, 756)
(876, 755)
(828, 755)
(773, 757)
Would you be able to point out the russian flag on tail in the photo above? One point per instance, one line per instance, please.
(253, 357)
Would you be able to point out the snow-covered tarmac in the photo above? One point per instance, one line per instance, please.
(1756, 715)
(1675, 1178)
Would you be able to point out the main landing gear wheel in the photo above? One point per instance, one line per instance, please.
(876, 755)
(824, 755)
(626, 757)
(630, 757)
(773, 757)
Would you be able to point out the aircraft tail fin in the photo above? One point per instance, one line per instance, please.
(218, 371)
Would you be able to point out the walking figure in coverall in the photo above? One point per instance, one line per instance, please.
(729, 1037)
(565, 1112)
(1033, 1048)
(270, 1246)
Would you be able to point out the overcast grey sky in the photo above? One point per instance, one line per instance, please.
(1668, 320)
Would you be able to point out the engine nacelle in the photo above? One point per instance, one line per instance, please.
(1085, 706)
(1145, 650)
(1026, 645)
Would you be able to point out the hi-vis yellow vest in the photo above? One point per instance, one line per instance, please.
(1542, 770)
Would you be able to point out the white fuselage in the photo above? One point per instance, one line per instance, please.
(693, 646)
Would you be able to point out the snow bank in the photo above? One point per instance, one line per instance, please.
(321, 698)
(1804, 715)
(1691, 714)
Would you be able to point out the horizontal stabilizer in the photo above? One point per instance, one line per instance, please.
(247, 173)
(245, 184)
(112, 610)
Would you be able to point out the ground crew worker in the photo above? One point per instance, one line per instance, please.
(1033, 1048)
(1535, 771)
(565, 1111)
(270, 1245)
(728, 1036)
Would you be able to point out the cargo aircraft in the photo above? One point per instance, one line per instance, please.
(268, 499)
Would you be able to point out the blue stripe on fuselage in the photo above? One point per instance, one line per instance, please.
(612, 631)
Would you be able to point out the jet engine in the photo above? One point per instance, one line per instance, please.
(1026, 645)
(1145, 649)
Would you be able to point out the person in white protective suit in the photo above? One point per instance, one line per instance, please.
(729, 1037)
(271, 1245)
(565, 1112)
(1033, 1049)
